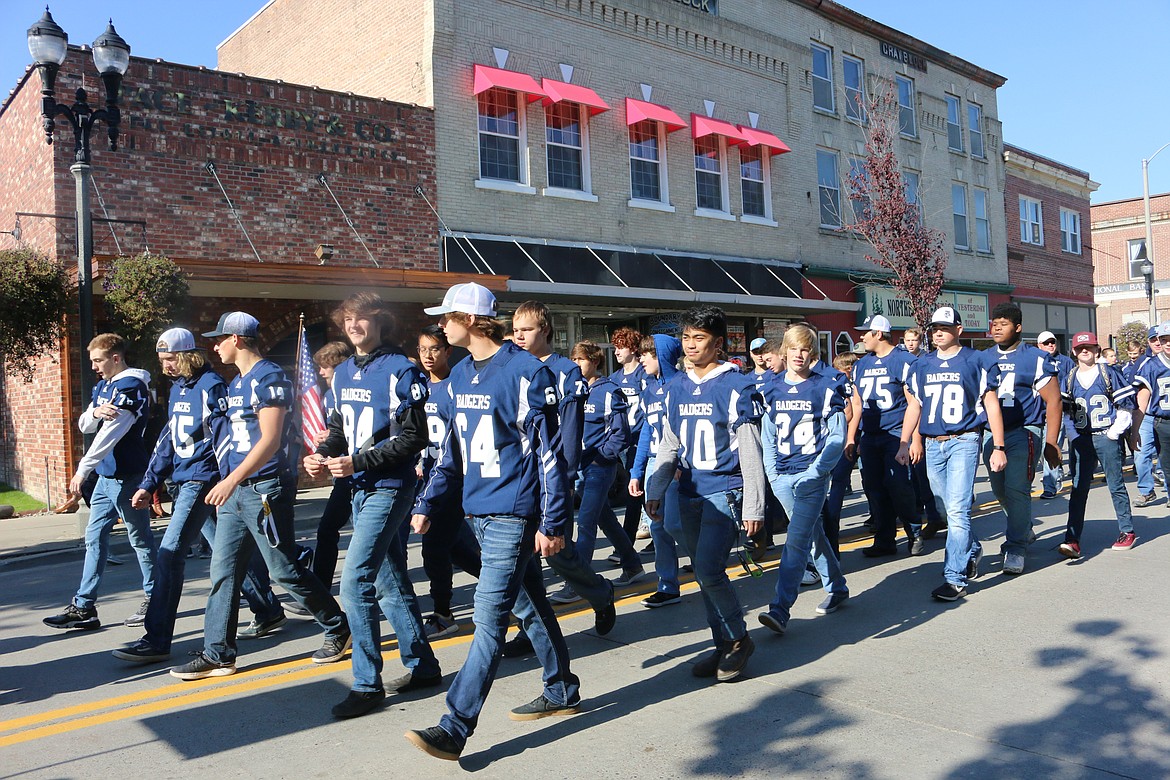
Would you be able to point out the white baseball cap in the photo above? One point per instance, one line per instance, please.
(176, 340)
(876, 322)
(945, 315)
(468, 298)
(1044, 336)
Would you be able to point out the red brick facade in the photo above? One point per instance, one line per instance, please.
(1120, 295)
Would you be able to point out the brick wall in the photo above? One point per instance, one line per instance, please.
(1114, 225)
(1047, 271)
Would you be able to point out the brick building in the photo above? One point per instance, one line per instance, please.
(269, 142)
(1119, 240)
(624, 159)
(1050, 257)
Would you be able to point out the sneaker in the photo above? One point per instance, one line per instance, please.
(566, 595)
(139, 616)
(1145, 499)
(436, 742)
(605, 618)
(630, 576)
(772, 621)
(333, 649)
(74, 617)
(140, 652)
(917, 546)
(948, 592)
(202, 667)
(519, 647)
(931, 529)
(645, 552)
(875, 551)
(1070, 549)
(660, 599)
(810, 577)
(540, 707)
(973, 564)
(1125, 541)
(438, 626)
(643, 532)
(708, 665)
(1159, 479)
(614, 559)
(831, 603)
(735, 659)
(1048, 495)
(414, 682)
(1013, 563)
(259, 628)
(358, 703)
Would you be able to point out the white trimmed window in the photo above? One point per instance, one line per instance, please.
(854, 72)
(907, 118)
(647, 173)
(959, 208)
(857, 171)
(1031, 221)
(1137, 256)
(954, 128)
(912, 180)
(829, 186)
(754, 181)
(567, 146)
(710, 174)
(501, 136)
(1070, 231)
(982, 223)
(822, 78)
(975, 128)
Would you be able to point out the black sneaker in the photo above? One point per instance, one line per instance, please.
(604, 618)
(74, 617)
(931, 529)
(660, 599)
(973, 564)
(879, 551)
(358, 703)
(948, 592)
(540, 707)
(139, 617)
(735, 659)
(259, 628)
(519, 647)
(202, 667)
(772, 622)
(436, 742)
(333, 649)
(708, 665)
(140, 652)
(831, 603)
(917, 546)
(413, 682)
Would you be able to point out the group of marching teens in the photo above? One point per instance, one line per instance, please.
(500, 435)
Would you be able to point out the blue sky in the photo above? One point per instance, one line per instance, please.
(1079, 74)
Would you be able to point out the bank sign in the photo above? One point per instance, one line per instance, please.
(706, 6)
(888, 302)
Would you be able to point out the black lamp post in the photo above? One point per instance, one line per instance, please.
(49, 44)
(1147, 269)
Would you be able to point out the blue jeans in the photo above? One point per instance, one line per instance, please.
(709, 526)
(509, 581)
(1090, 448)
(888, 488)
(239, 531)
(333, 518)
(594, 512)
(1051, 481)
(1013, 486)
(665, 549)
(951, 467)
(802, 498)
(1144, 459)
(578, 573)
(839, 480)
(374, 581)
(111, 500)
(447, 543)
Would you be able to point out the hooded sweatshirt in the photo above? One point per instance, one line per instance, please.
(669, 350)
(118, 449)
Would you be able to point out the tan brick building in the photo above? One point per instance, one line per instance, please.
(623, 159)
(1119, 240)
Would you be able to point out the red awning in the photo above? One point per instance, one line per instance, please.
(756, 137)
(637, 110)
(486, 78)
(560, 90)
(705, 125)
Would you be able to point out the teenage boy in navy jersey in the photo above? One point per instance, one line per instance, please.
(117, 415)
(631, 380)
(1145, 457)
(943, 408)
(1030, 402)
(1052, 479)
(711, 435)
(255, 505)
(375, 436)
(1101, 406)
(501, 423)
(338, 506)
(1152, 381)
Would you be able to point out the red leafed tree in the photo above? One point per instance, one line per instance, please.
(914, 254)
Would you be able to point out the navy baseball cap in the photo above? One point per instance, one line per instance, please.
(1152, 334)
(236, 323)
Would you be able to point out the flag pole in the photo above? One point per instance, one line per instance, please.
(298, 403)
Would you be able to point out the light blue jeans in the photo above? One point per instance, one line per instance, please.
(111, 500)
(708, 527)
(665, 548)
(802, 497)
(1145, 459)
(1013, 486)
(951, 467)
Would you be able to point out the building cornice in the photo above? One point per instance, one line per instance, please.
(1033, 167)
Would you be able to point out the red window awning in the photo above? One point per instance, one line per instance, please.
(637, 110)
(704, 125)
(486, 78)
(756, 137)
(557, 91)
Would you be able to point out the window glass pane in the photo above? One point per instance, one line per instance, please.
(499, 135)
(954, 129)
(854, 90)
(751, 174)
(959, 206)
(645, 176)
(857, 169)
(907, 123)
(564, 167)
(822, 78)
(644, 140)
(563, 133)
(830, 189)
(975, 125)
(563, 123)
(499, 157)
(497, 112)
(708, 173)
(982, 223)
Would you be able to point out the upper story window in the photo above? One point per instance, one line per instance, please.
(1070, 231)
(912, 180)
(975, 128)
(907, 118)
(982, 222)
(857, 171)
(753, 176)
(954, 129)
(1137, 256)
(1031, 221)
(854, 72)
(959, 207)
(647, 173)
(566, 137)
(501, 135)
(822, 78)
(710, 181)
(829, 186)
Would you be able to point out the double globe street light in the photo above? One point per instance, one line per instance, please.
(49, 45)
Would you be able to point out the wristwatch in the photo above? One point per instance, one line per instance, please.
(999, 447)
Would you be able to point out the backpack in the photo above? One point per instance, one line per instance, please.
(1072, 377)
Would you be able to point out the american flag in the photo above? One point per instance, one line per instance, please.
(312, 412)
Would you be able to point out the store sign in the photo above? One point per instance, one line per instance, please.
(890, 303)
(706, 6)
(916, 61)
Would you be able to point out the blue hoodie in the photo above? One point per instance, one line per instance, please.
(669, 350)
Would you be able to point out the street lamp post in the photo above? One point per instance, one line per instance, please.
(49, 44)
(1147, 269)
(1150, 233)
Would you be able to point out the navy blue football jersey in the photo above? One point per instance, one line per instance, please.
(186, 447)
(951, 391)
(1022, 372)
(572, 390)
(798, 420)
(606, 431)
(436, 425)
(1094, 407)
(129, 392)
(265, 385)
(880, 383)
(632, 385)
(1154, 375)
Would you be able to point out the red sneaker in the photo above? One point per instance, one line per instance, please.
(1070, 549)
(1125, 541)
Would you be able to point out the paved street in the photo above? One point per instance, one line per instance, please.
(1059, 673)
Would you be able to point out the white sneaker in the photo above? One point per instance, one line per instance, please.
(643, 532)
(810, 578)
(1013, 563)
(630, 576)
(566, 595)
